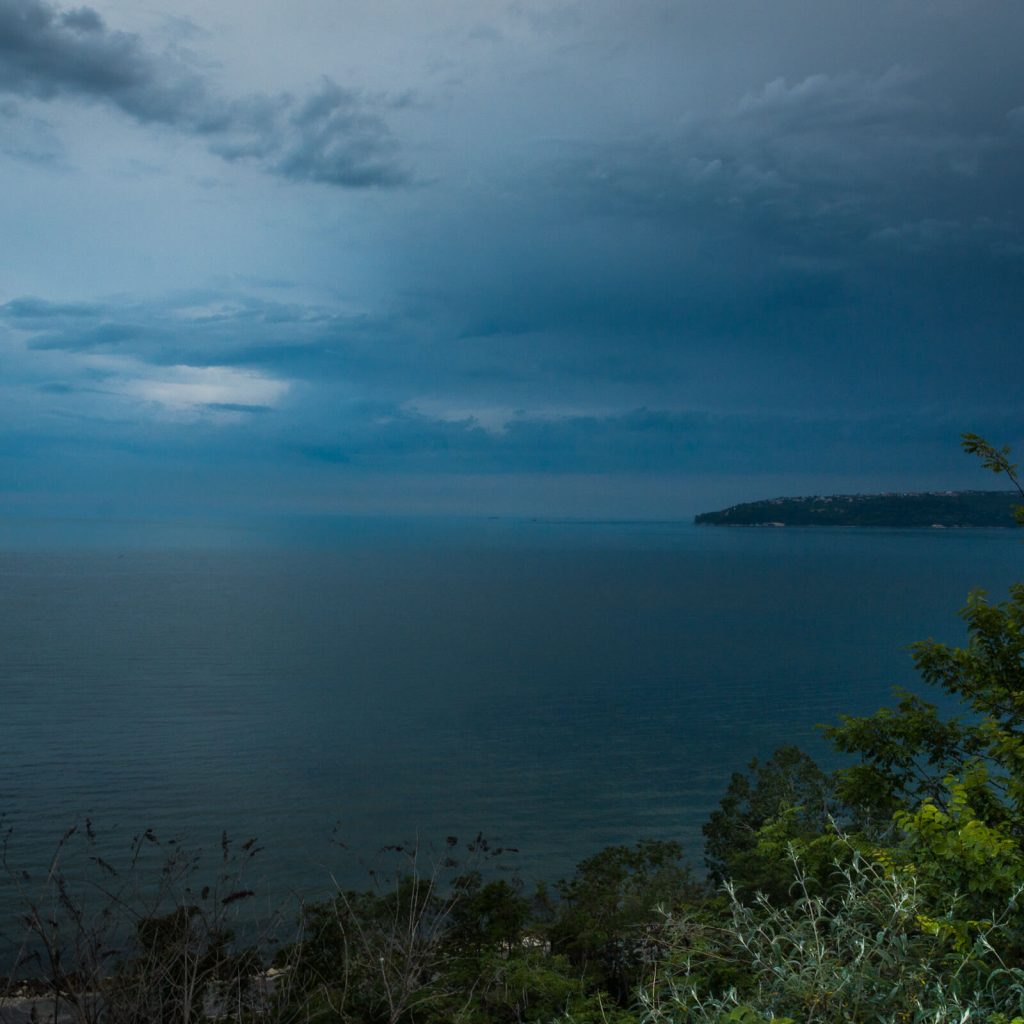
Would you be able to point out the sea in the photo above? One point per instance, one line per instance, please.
(333, 686)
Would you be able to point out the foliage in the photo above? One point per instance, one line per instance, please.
(608, 907)
(433, 942)
(952, 854)
(402, 949)
(905, 754)
(530, 984)
(788, 789)
(998, 461)
(859, 954)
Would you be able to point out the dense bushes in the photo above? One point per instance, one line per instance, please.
(861, 951)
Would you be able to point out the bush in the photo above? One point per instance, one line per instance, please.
(866, 951)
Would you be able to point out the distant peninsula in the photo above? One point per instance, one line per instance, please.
(940, 509)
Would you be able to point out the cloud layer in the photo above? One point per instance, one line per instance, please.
(693, 253)
(332, 135)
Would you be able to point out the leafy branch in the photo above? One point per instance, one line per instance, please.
(998, 461)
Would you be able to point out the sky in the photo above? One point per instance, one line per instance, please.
(585, 258)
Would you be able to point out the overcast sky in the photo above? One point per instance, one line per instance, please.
(541, 257)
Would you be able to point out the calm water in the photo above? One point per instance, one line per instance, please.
(558, 687)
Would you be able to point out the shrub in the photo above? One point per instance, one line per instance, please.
(866, 951)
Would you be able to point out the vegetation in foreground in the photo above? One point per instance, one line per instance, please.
(888, 891)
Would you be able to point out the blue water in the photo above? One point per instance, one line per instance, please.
(557, 686)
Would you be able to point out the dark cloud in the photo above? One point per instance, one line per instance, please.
(237, 407)
(843, 239)
(33, 310)
(664, 238)
(106, 336)
(333, 136)
(653, 441)
(332, 454)
(198, 329)
(46, 52)
(816, 165)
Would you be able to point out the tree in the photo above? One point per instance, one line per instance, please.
(790, 781)
(608, 906)
(945, 793)
(907, 753)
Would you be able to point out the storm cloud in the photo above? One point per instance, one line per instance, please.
(661, 255)
(332, 135)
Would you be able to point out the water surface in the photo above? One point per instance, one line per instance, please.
(557, 686)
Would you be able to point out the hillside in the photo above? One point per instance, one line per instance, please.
(930, 509)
